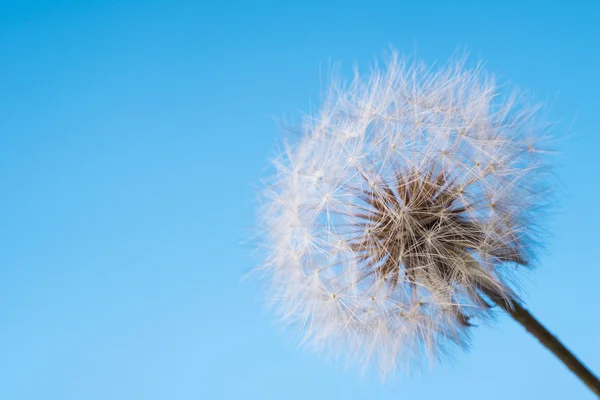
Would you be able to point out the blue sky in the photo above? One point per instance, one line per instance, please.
(132, 137)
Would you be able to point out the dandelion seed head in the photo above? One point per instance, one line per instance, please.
(410, 194)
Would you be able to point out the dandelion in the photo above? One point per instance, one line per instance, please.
(404, 212)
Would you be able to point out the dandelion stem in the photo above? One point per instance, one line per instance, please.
(533, 326)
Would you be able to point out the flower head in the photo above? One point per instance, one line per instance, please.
(409, 199)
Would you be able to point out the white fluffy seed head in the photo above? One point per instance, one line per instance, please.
(409, 199)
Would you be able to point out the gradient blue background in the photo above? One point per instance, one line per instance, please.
(132, 136)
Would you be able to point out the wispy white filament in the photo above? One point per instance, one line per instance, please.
(410, 193)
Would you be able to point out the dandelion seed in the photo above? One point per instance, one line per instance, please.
(437, 191)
